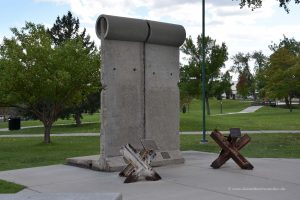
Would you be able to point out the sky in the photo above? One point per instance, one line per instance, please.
(243, 30)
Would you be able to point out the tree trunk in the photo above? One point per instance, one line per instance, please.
(287, 103)
(207, 105)
(77, 117)
(47, 133)
(290, 100)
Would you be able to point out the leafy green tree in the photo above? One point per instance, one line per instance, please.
(290, 44)
(253, 4)
(260, 63)
(283, 75)
(191, 74)
(90, 104)
(64, 29)
(226, 84)
(42, 78)
(246, 83)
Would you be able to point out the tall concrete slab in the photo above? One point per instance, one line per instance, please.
(162, 95)
(140, 97)
(122, 95)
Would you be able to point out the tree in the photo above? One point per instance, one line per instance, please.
(291, 45)
(260, 60)
(67, 28)
(253, 4)
(284, 68)
(191, 75)
(246, 84)
(42, 78)
(90, 104)
(283, 76)
(242, 85)
(226, 84)
(260, 64)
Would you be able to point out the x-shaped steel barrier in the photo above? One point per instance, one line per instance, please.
(230, 148)
(139, 162)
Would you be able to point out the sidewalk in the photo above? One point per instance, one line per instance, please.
(250, 109)
(271, 179)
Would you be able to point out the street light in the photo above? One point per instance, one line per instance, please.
(203, 74)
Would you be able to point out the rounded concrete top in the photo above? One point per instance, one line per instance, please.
(129, 29)
(166, 34)
(121, 28)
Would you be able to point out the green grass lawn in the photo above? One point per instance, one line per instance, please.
(261, 145)
(8, 187)
(70, 128)
(86, 118)
(266, 118)
(18, 153)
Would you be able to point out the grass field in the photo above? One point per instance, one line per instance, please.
(69, 128)
(266, 118)
(8, 187)
(261, 145)
(86, 118)
(18, 153)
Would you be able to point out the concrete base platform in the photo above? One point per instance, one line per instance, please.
(271, 178)
(117, 163)
(62, 196)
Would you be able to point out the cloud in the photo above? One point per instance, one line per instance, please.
(241, 29)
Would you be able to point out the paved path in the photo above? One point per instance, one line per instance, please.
(271, 179)
(181, 133)
(250, 109)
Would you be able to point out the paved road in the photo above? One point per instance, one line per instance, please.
(271, 179)
(181, 133)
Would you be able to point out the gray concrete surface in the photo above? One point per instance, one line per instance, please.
(162, 96)
(271, 179)
(62, 196)
(250, 109)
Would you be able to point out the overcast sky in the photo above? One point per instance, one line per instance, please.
(242, 30)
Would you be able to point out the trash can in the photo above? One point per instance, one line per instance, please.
(14, 123)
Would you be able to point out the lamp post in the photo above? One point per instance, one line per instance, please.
(221, 102)
(203, 74)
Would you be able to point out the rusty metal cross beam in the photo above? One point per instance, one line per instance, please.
(230, 149)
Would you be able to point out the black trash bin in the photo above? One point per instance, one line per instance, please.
(14, 123)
